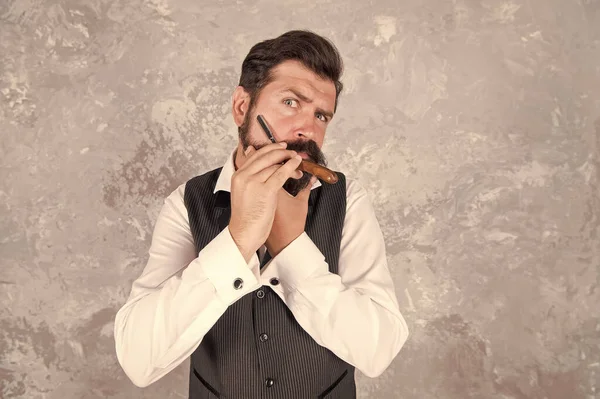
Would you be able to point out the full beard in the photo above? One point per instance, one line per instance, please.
(292, 186)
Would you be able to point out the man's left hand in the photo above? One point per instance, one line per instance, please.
(290, 219)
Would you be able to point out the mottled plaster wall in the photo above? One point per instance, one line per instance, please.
(474, 125)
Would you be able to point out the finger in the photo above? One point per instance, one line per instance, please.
(264, 174)
(280, 176)
(268, 147)
(273, 157)
(252, 154)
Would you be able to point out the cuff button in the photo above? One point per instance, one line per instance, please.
(238, 283)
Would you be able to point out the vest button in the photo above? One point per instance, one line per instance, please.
(263, 337)
(274, 281)
(260, 293)
(269, 382)
(238, 283)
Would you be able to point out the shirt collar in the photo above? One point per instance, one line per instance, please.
(224, 180)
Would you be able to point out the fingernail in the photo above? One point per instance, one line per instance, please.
(283, 143)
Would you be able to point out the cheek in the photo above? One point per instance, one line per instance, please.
(283, 123)
(319, 138)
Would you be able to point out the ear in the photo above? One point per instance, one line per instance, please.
(240, 102)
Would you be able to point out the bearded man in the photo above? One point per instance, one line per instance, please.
(274, 283)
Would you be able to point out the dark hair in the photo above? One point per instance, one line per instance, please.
(315, 52)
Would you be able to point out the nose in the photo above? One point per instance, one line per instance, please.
(306, 129)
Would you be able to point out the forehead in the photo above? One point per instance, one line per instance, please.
(292, 74)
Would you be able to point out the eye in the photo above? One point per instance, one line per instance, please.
(322, 117)
(288, 101)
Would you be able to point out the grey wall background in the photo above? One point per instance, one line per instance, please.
(474, 125)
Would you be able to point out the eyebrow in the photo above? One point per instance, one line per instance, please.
(307, 100)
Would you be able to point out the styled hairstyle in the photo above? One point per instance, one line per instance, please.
(315, 52)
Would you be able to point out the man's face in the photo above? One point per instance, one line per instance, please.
(297, 106)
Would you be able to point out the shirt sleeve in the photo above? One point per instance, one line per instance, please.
(355, 313)
(179, 295)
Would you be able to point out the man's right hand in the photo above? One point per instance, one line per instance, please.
(254, 188)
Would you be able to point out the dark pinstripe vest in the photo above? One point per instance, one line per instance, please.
(257, 349)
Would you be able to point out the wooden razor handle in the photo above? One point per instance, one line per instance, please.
(319, 171)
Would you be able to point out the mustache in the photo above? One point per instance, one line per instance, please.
(310, 148)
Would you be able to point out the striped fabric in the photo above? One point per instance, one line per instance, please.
(257, 349)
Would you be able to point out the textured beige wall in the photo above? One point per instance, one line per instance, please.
(474, 125)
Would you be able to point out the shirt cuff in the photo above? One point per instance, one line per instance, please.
(296, 263)
(223, 264)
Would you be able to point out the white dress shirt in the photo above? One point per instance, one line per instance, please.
(181, 294)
